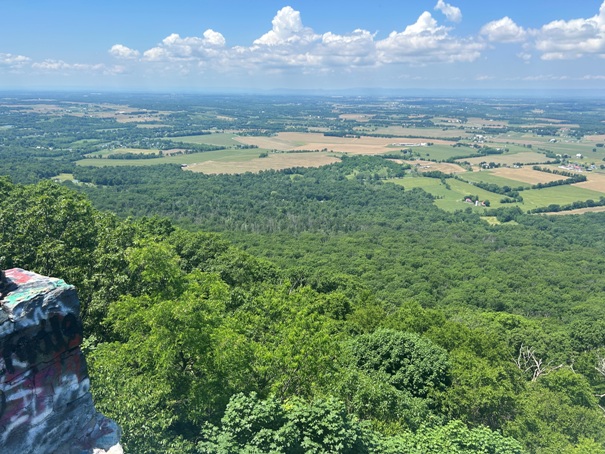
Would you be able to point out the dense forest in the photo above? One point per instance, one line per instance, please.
(336, 312)
(310, 309)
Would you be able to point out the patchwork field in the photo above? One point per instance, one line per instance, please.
(225, 139)
(194, 158)
(487, 176)
(448, 199)
(452, 199)
(285, 141)
(526, 175)
(440, 133)
(526, 157)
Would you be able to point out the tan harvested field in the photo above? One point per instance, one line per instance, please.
(277, 161)
(598, 138)
(427, 166)
(285, 141)
(525, 157)
(526, 175)
(578, 211)
(596, 182)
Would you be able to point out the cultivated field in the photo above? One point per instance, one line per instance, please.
(526, 175)
(225, 139)
(598, 138)
(578, 211)
(526, 157)
(277, 161)
(439, 133)
(444, 152)
(194, 158)
(487, 176)
(596, 182)
(561, 195)
(449, 199)
(285, 141)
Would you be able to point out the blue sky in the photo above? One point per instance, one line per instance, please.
(206, 45)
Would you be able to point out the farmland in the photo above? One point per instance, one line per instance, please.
(274, 161)
(491, 142)
(526, 157)
(316, 141)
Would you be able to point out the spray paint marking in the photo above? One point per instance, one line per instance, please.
(24, 349)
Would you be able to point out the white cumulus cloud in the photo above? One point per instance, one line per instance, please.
(452, 13)
(193, 48)
(504, 30)
(574, 38)
(121, 51)
(426, 41)
(290, 44)
(13, 60)
(287, 28)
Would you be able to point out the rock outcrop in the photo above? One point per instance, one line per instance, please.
(45, 402)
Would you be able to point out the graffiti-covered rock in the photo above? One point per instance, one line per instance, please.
(45, 401)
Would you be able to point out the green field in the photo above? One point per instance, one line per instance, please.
(511, 147)
(451, 199)
(64, 177)
(219, 155)
(488, 177)
(443, 152)
(561, 195)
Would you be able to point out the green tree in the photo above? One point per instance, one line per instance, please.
(406, 360)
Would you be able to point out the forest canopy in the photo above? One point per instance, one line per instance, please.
(413, 329)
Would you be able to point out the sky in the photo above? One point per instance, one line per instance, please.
(212, 45)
